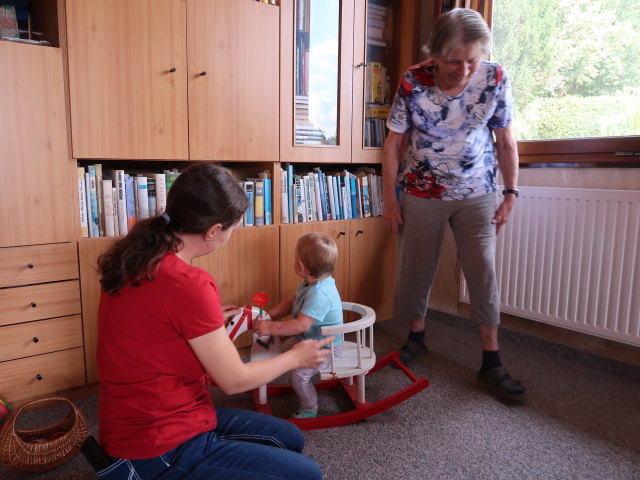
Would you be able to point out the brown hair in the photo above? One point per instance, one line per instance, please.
(318, 253)
(203, 195)
(459, 27)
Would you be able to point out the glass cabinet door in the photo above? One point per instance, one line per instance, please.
(316, 80)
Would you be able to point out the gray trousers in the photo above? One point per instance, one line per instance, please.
(419, 244)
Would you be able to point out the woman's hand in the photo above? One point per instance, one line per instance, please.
(503, 212)
(391, 214)
(230, 311)
(262, 327)
(311, 353)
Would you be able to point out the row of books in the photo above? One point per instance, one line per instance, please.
(379, 25)
(112, 201)
(317, 196)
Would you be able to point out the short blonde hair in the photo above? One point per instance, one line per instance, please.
(318, 252)
(457, 28)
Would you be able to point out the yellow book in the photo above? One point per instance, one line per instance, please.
(376, 82)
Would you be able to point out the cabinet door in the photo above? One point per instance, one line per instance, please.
(247, 264)
(36, 186)
(384, 46)
(289, 235)
(128, 78)
(372, 267)
(88, 253)
(233, 80)
(317, 68)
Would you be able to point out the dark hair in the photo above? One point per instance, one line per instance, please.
(203, 195)
(318, 252)
(459, 27)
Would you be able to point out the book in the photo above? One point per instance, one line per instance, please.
(170, 177)
(131, 195)
(107, 200)
(258, 215)
(284, 197)
(290, 192)
(116, 227)
(248, 187)
(121, 189)
(99, 198)
(268, 203)
(331, 197)
(353, 187)
(318, 196)
(161, 193)
(94, 228)
(310, 196)
(300, 203)
(375, 69)
(151, 194)
(142, 199)
(82, 202)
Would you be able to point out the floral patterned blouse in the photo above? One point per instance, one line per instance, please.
(450, 154)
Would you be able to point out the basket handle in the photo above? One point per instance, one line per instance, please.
(11, 421)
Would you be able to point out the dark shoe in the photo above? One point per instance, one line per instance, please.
(411, 351)
(499, 380)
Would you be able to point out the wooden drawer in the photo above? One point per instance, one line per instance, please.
(36, 302)
(36, 338)
(38, 264)
(42, 374)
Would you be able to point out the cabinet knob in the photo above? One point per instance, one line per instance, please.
(30, 265)
(173, 69)
(202, 74)
(359, 232)
(33, 304)
(39, 377)
(361, 64)
(341, 233)
(36, 339)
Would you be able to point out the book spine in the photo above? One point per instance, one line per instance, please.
(130, 201)
(122, 202)
(107, 198)
(100, 199)
(93, 200)
(268, 204)
(332, 201)
(354, 198)
(300, 211)
(248, 215)
(338, 193)
(161, 193)
(318, 188)
(151, 193)
(82, 201)
(116, 227)
(258, 218)
(290, 193)
(143, 197)
(284, 197)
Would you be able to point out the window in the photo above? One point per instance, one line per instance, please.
(575, 71)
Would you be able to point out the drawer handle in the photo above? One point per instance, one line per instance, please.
(39, 377)
(173, 69)
(359, 232)
(30, 265)
(36, 339)
(341, 233)
(202, 74)
(33, 304)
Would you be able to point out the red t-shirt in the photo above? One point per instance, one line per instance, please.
(152, 393)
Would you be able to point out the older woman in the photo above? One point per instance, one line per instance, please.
(440, 163)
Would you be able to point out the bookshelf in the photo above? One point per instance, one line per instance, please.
(36, 21)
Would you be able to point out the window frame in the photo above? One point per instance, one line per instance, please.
(587, 152)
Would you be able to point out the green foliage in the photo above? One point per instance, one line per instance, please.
(560, 51)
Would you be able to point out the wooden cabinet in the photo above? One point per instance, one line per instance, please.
(131, 65)
(41, 343)
(37, 193)
(326, 52)
(366, 267)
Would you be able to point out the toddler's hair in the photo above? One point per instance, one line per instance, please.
(318, 253)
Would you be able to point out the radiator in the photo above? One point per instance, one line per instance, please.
(570, 257)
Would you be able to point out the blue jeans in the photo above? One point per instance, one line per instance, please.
(244, 445)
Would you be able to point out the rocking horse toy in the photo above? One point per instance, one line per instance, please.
(358, 360)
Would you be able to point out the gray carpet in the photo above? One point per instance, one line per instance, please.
(581, 419)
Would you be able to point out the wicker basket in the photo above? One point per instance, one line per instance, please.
(35, 450)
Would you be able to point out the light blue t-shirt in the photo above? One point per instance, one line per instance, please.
(320, 302)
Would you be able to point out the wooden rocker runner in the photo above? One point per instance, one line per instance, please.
(357, 361)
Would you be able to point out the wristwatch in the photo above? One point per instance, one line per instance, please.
(515, 191)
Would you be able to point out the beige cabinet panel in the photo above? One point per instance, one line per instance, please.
(41, 374)
(37, 190)
(126, 102)
(44, 336)
(38, 263)
(233, 109)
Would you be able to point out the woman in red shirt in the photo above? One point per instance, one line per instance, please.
(161, 328)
